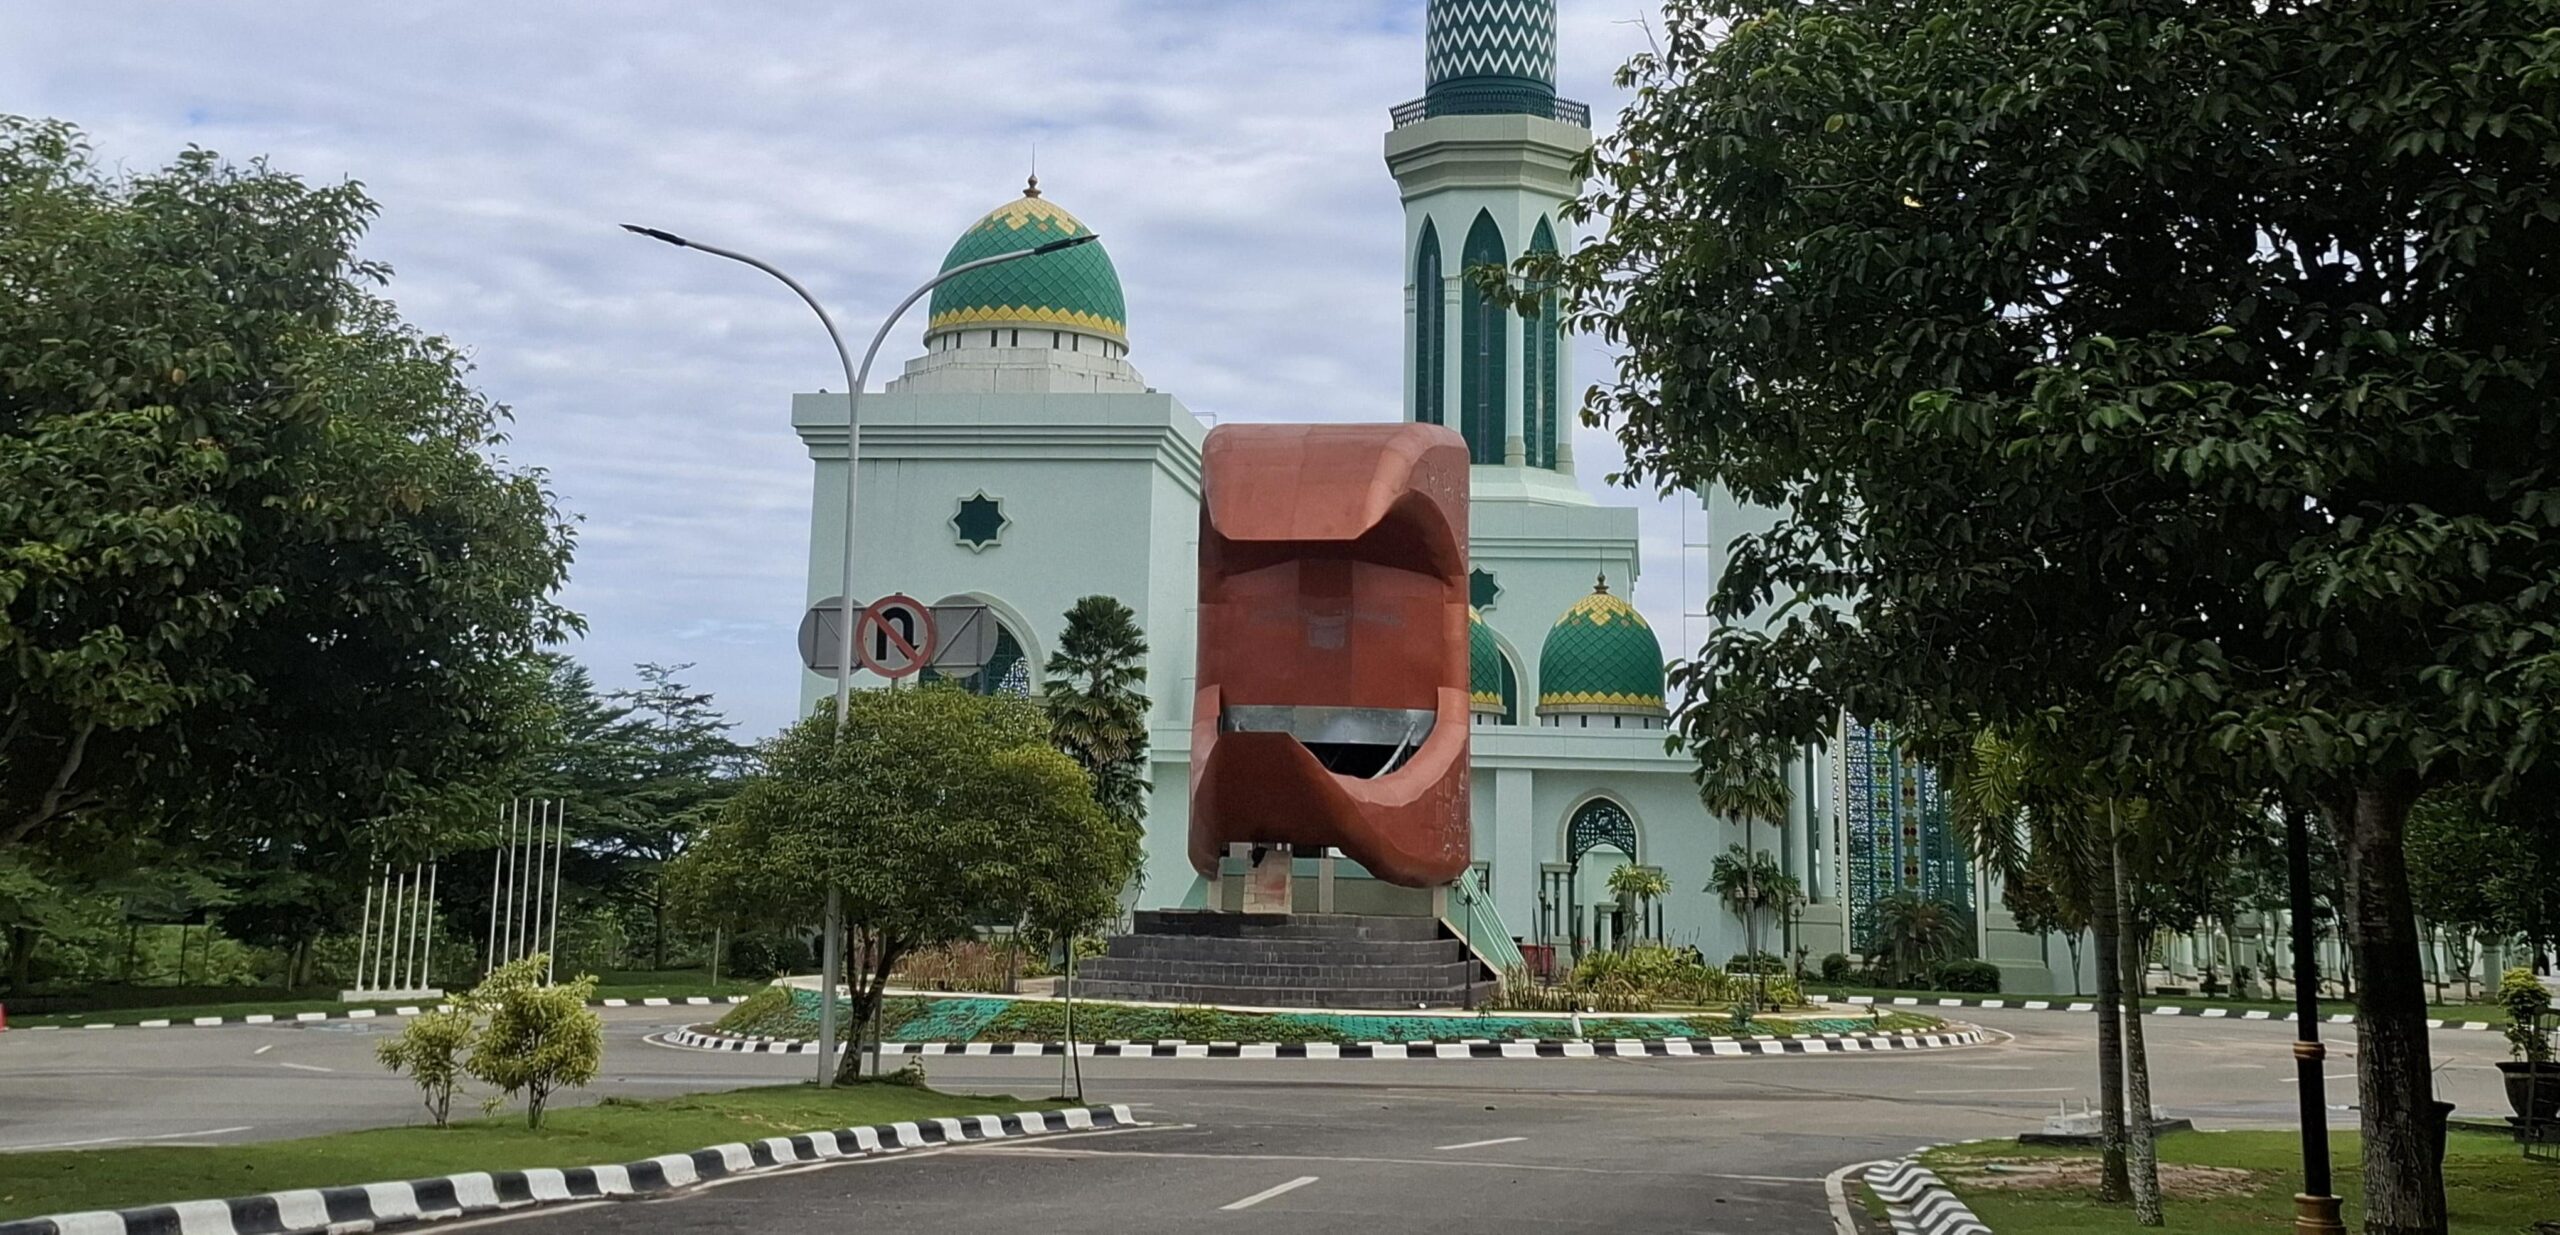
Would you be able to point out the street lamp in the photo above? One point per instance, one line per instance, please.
(855, 379)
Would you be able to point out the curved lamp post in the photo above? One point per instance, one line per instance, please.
(854, 379)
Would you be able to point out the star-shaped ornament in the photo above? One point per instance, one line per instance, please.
(981, 522)
(1482, 590)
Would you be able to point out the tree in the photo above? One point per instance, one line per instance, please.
(264, 586)
(2041, 912)
(938, 811)
(1098, 702)
(1913, 933)
(2487, 870)
(2187, 360)
(538, 1039)
(1743, 776)
(647, 769)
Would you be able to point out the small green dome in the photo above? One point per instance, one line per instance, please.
(1076, 289)
(1484, 666)
(1601, 656)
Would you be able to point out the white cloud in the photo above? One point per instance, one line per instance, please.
(1230, 149)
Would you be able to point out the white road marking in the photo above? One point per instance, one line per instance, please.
(264, 1049)
(1499, 1140)
(1463, 1163)
(1950, 1093)
(1268, 1193)
(118, 1140)
(305, 1067)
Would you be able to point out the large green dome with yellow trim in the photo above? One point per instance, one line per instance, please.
(1601, 656)
(1074, 289)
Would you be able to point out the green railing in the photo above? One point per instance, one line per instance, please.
(1473, 917)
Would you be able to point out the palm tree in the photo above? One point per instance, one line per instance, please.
(1914, 933)
(2027, 809)
(1747, 781)
(1098, 703)
(1637, 887)
(1750, 883)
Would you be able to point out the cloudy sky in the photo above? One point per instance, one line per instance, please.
(1228, 149)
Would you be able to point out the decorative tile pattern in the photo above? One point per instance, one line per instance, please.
(1491, 38)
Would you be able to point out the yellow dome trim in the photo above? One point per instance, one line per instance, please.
(1491, 699)
(1017, 315)
(1022, 212)
(1597, 699)
(1601, 608)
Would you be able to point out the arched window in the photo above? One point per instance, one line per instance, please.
(1510, 692)
(1007, 671)
(1430, 330)
(1597, 823)
(1539, 380)
(1481, 344)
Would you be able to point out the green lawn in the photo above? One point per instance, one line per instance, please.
(619, 1130)
(251, 1001)
(2488, 1012)
(2490, 1187)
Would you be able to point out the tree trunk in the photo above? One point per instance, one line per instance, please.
(657, 933)
(2395, 1087)
(2071, 943)
(2142, 1157)
(22, 956)
(2114, 1185)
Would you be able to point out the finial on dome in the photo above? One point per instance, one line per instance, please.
(1602, 587)
(1032, 189)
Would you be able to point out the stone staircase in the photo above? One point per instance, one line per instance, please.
(1306, 960)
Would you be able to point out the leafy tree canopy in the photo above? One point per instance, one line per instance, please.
(2186, 363)
(262, 580)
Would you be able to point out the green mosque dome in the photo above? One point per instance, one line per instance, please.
(1074, 289)
(1601, 656)
(1484, 666)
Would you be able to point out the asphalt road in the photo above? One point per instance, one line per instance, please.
(1735, 1144)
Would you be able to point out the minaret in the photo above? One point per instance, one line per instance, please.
(1484, 161)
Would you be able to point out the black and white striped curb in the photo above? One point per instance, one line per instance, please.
(1919, 1203)
(366, 1206)
(1476, 1048)
(2049, 1005)
(366, 1014)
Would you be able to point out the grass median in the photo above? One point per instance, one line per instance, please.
(2232, 1183)
(614, 1131)
(129, 1007)
(2490, 1013)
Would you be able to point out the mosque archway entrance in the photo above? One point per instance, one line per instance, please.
(1576, 913)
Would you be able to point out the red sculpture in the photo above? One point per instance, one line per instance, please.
(1332, 704)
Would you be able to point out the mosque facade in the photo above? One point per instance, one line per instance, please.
(1021, 462)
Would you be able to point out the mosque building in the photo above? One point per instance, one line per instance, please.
(1022, 462)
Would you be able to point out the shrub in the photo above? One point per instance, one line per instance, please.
(431, 1049)
(769, 954)
(967, 966)
(539, 1038)
(1754, 962)
(2526, 1002)
(1971, 977)
(1836, 967)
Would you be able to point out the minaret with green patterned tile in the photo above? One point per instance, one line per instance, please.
(1484, 159)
